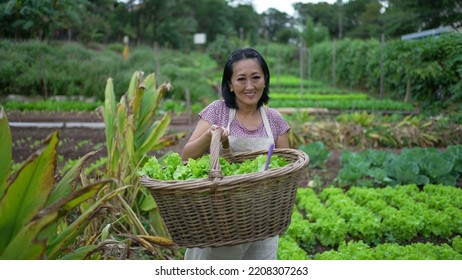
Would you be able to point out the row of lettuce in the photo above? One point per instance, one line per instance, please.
(403, 222)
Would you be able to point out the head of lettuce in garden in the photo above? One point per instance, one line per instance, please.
(249, 125)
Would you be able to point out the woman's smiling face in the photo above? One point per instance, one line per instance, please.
(247, 82)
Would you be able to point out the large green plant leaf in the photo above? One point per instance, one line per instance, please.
(30, 242)
(151, 102)
(28, 191)
(437, 164)
(24, 245)
(152, 136)
(137, 100)
(318, 154)
(405, 171)
(109, 115)
(5, 150)
(134, 82)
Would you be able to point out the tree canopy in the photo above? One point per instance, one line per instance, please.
(173, 23)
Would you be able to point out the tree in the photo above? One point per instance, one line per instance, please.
(214, 17)
(322, 13)
(40, 19)
(246, 21)
(275, 22)
(363, 19)
(397, 22)
(314, 33)
(431, 14)
(100, 22)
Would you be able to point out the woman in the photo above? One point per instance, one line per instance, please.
(248, 126)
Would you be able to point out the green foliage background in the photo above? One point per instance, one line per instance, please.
(433, 66)
(71, 69)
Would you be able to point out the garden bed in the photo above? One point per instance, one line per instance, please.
(74, 141)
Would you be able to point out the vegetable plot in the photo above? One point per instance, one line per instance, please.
(366, 223)
(417, 165)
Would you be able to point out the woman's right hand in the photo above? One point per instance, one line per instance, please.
(199, 143)
(224, 132)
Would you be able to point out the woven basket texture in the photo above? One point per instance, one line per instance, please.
(230, 210)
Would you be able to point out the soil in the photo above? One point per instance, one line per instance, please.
(76, 142)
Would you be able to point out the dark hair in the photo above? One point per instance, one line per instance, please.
(239, 54)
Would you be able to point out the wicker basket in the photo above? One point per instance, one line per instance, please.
(230, 210)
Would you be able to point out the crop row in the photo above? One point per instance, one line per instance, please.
(375, 217)
(318, 96)
(310, 90)
(417, 165)
(358, 250)
(285, 81)
(384, 104)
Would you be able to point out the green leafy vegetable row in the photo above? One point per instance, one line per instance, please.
(412, 166)
(358, 250)
(392, 251)
(293, 81)
(344, 104)
(375, 216)
(318, 96)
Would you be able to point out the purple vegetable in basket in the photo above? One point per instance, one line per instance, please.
(268, 158)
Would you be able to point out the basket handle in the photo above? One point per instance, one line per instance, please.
(227, 152)
(215, 168)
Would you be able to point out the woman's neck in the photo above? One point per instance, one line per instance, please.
(248, 111)
(249, 117)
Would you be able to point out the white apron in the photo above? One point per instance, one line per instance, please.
(258, 250)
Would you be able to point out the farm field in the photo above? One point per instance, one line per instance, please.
(353, 140)
(404, 161)
(320, 224)
(374, 99)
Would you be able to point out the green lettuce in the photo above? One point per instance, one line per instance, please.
(171, 167)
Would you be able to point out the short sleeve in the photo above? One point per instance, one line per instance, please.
(278, 124)
(216, 113)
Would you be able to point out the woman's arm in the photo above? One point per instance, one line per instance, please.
(283, 141)
(199, 143)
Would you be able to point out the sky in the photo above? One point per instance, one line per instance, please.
(282, 5)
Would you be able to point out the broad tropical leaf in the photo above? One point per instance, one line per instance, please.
(152, 136)
(28, 191)
(109, 115)
(25, 244)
